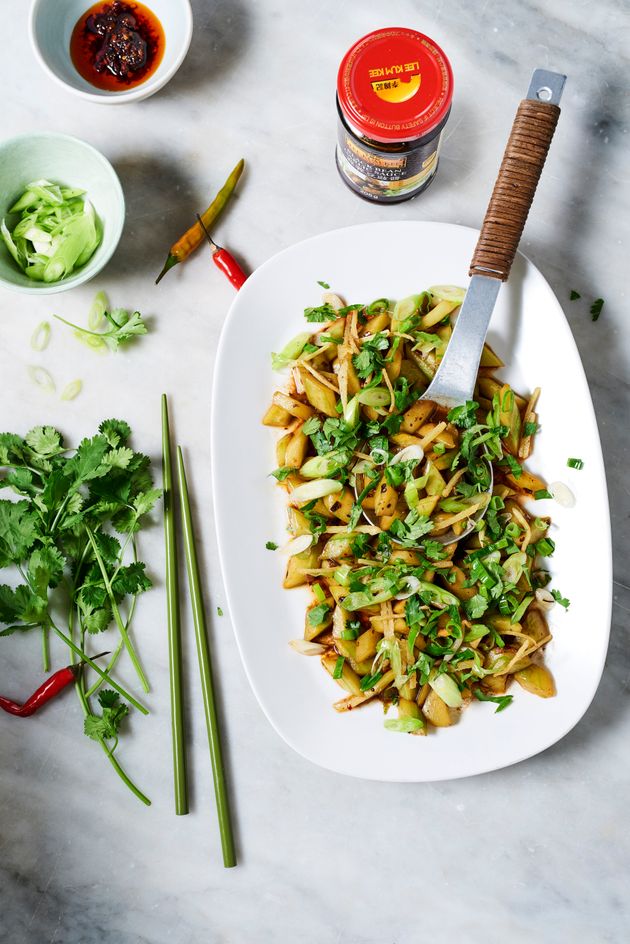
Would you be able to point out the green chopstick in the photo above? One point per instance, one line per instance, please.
(205, 669)
(172, 613)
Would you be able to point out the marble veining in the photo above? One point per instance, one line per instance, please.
(539, 851)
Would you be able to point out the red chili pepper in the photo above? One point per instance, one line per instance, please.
(225, 261)
(46, 692)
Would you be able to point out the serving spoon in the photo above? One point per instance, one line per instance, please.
(512, 196)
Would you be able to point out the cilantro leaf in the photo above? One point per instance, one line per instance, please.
(370, 359)
(87, 462)
(123, 328)
(144, 501)
(476, 606)
(45, 569)
(131, 580)
(11, 448)
(18, 531)
(116, 432)
(107, 725)
(271, 546)
(22, 605)
(574, 295)
(318, 615)
(323, 284)
(323, 313)
(560, 599)
(464, 416)
(44, 440)
(118, 457)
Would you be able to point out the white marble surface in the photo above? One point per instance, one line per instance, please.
(536, 852)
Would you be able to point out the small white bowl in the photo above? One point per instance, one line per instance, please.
(67, 160)
(50, 28)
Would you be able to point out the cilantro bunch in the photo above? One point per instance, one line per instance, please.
(70, 540)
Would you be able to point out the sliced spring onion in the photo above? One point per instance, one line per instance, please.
(58, 231)
(333, 300)
(307, 648)
(290, 351)
(562, 494)
(513, 566)
(41, 336)
(322, 466)
(351, 413)
(313, 490)
(318, 593)
(72, 390)
(338, 670)
(298, 545)
(408, 454)
(379, 456)
(409, 586)
(519, 612)
(41, 378)
(96, 314)
(545, 599)
(446, 687)
(404, 725)
(575, 463)
(375, 397)
(448, 293)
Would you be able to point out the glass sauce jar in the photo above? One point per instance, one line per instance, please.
(394, 92)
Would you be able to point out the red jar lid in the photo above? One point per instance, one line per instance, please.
(395, 85)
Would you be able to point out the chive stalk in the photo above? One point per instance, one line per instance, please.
(173, 622)
(205, 669)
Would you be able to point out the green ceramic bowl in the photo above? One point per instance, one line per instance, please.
(66, 160)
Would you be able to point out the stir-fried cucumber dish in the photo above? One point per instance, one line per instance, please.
(56, 232)
(408, 523)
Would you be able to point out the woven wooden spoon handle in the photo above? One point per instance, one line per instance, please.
(514, 190)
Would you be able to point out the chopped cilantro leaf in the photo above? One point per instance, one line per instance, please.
(318, 615)
(271, 546)
(574, 295)
(560, 599)
(323, 284)
(464, 416)
(323, 313)
(596, 308)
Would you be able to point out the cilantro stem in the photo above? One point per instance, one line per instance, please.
(45, 652)
(114, 659)
(83, 698)
(118, 618)
(107, 678)
(96, 334)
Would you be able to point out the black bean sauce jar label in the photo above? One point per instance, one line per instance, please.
(394, 92)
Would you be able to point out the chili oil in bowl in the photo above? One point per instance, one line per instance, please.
(112, 51)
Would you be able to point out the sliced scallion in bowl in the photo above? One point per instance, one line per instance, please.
(56, 231)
